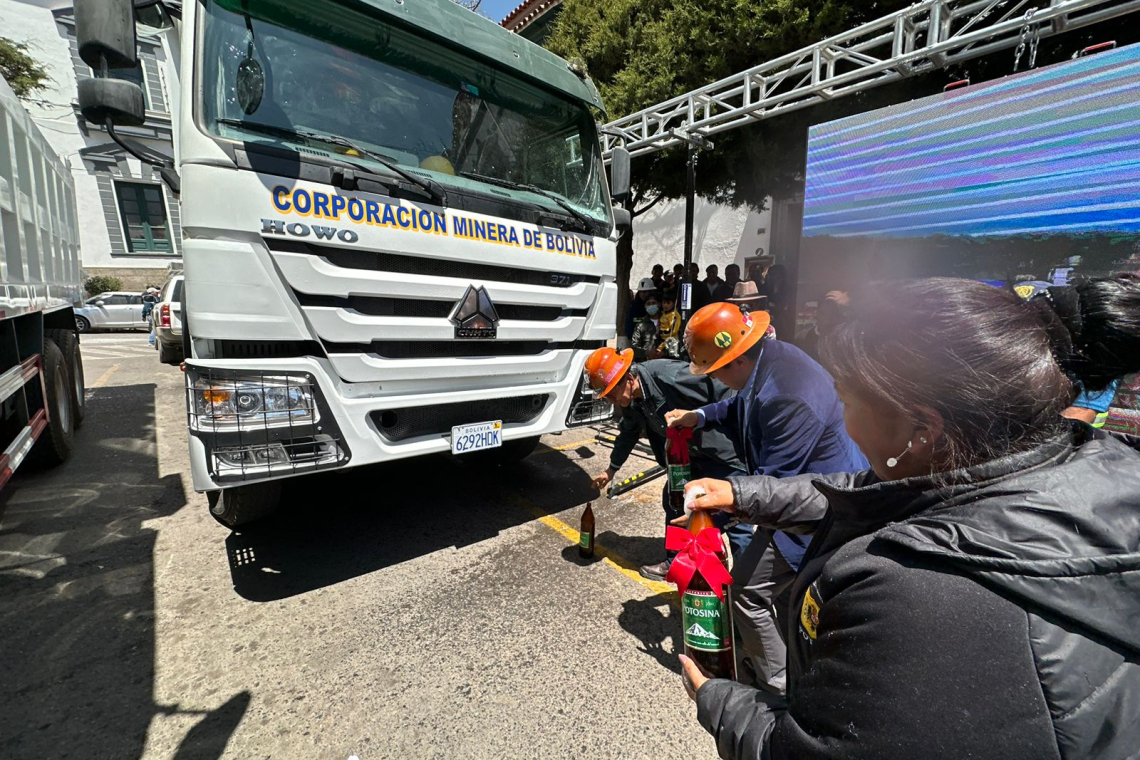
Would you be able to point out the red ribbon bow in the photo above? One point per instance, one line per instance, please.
(679, 444)
(697, 554)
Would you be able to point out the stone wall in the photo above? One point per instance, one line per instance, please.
(134, 279)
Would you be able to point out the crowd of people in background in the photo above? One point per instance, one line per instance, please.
(653, 321)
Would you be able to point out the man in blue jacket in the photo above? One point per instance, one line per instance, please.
(785, 420)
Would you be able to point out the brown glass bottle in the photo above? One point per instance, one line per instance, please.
(586, 534)
(706, 619)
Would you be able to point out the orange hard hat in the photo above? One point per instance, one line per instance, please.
(720, 333)
(606, 367)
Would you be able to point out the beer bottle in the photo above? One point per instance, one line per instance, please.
(586, 534)
(707, 620)
(680, 471)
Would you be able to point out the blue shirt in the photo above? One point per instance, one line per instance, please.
(787, 420)
(1098, 401)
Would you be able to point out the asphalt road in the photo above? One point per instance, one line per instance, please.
(424, 609)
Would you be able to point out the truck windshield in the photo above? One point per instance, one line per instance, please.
(328, 69)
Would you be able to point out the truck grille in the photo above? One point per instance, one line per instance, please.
(368, 310)
(412, 422)
(404, 307)
(432, 267)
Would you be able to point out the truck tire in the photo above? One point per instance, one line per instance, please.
(55, 442)
(241, 505)
(166, 354)
(68, 343)
(511, 452)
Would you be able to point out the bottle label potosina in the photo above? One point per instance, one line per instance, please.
(679, 475)
(584, 540)
(705, 621)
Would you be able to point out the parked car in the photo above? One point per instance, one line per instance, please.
(166, 322)
(111, 311)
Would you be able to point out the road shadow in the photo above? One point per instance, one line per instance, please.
(337, 526)
(77, 580)
(208, 738)
(654, 621)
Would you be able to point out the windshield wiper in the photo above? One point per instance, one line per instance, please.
(429, 186)
(583, 220)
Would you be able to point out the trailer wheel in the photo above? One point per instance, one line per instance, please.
(69, 344)
(54, 444)
(241, 505)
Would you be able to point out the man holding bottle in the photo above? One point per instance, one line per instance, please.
(644, 393)
(785, 420)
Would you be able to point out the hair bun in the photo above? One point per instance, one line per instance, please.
(1101, 321)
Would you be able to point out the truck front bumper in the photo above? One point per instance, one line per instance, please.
(350, 424)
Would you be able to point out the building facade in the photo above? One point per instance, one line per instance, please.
(129, 223)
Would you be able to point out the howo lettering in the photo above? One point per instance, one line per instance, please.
(347, 172)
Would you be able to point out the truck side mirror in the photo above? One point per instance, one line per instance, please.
(623, 220)
(106, 33)
(115, 99)
(619, 174)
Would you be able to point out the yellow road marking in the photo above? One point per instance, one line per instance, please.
(610, 557)
(105, 376)
(565, 447)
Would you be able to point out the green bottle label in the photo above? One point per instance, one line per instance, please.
(679, 475)
(584, 540)
(705, 619)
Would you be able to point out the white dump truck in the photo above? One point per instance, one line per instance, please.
(41, 374)
(397, 231)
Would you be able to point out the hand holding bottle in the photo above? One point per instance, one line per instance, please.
(707, 495)
(681, 418)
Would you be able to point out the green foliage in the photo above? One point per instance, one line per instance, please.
(101, 283)
(640, 52)
(24, 75)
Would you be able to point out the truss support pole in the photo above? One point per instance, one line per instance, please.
(696, 143)
(690, 203)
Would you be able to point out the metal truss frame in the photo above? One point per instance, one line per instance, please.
(928, 35)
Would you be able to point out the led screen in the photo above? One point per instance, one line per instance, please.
(1028, 178)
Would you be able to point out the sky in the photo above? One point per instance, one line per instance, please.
(497, 10)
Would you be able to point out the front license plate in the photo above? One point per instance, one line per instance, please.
(476, 437)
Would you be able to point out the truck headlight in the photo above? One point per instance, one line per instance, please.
(253, 402)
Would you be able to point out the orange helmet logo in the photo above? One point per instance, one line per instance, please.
(723, 339)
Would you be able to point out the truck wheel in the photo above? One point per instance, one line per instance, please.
(82, 324)
(54, 444)
(511, 452)
(166, 354)
(69, 344)
(240, 505)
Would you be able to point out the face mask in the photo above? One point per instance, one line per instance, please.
(651, 309)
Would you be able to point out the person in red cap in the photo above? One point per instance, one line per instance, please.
(644, 393)
(785, 420)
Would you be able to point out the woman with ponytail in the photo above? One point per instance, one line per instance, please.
(976, 593)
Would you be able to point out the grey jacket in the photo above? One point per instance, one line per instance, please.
(993, 617)
(644, 338)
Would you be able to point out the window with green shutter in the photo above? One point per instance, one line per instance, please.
(144, 217)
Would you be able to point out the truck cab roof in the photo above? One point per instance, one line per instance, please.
(447, 21)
